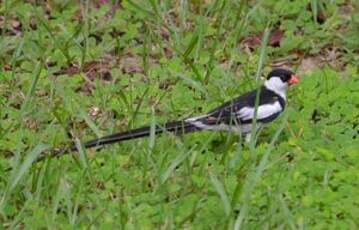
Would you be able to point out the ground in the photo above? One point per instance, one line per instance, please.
(73, 70)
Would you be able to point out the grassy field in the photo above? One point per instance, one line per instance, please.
(74, 70)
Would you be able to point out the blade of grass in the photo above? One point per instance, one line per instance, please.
(138, 7)
(155, 8)
(135, 112)
(258, 74)
(191, 46)
(262, 54)
(200, 31)
(19, 173)
(62, 191)
(89, 122)
(183, 14)
(122, 97)
(152, 140)
(194, 68)
(287, 213)
(15, 56)
(17, 221)
(30, 91)
(83, 157)
(253, 177)
(240, 22)
(185, 55)
(56, 42)
(146, 49)
(23, 110)
(237, 156)
(193, 83)
(85, 30)
(221, 18)
(40, 181)
(217, 184)
(30, 158)
(314, 7)
(178, 160)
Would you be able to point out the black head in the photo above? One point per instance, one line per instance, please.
(285, 75)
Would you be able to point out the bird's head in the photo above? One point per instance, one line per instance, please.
(283, 76)
(279, 79)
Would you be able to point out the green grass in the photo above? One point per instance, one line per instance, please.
(74, 71)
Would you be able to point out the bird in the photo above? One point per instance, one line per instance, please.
(235, 115)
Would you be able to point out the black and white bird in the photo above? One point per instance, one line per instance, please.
(235, 115)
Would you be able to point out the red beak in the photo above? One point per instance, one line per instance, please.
(293, 80)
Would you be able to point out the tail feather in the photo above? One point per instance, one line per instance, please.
(176, 127)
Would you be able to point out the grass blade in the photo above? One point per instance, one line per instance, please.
(89, 122)
(19, 173)
(30, 158)
(193, 83)
(137, 109)
(258, 74)
(262, 54)
(16, 56)
(221, 18)
(139, 8)
(221, 192)
(191, 46)
(178, 160)
(63, 192)
(314, 6)
(34, 81)
(253, 177)
(152, 140)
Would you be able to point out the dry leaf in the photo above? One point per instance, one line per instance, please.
(131, 63)
(275, 37)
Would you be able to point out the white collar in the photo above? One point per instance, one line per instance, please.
(276, 85)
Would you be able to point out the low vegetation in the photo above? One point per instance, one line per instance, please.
(74, 70)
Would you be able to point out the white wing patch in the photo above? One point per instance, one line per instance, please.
(264, 111)
(199, 124)
(246, 113)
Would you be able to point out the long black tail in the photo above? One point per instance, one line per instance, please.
(176, 127)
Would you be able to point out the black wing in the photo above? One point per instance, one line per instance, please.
(227, 113)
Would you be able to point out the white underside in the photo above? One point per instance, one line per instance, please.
(263, 111)
(238, 129)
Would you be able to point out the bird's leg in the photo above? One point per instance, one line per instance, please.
(259, 130)
(247, 137)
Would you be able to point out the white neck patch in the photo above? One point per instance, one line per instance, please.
(276, 85)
